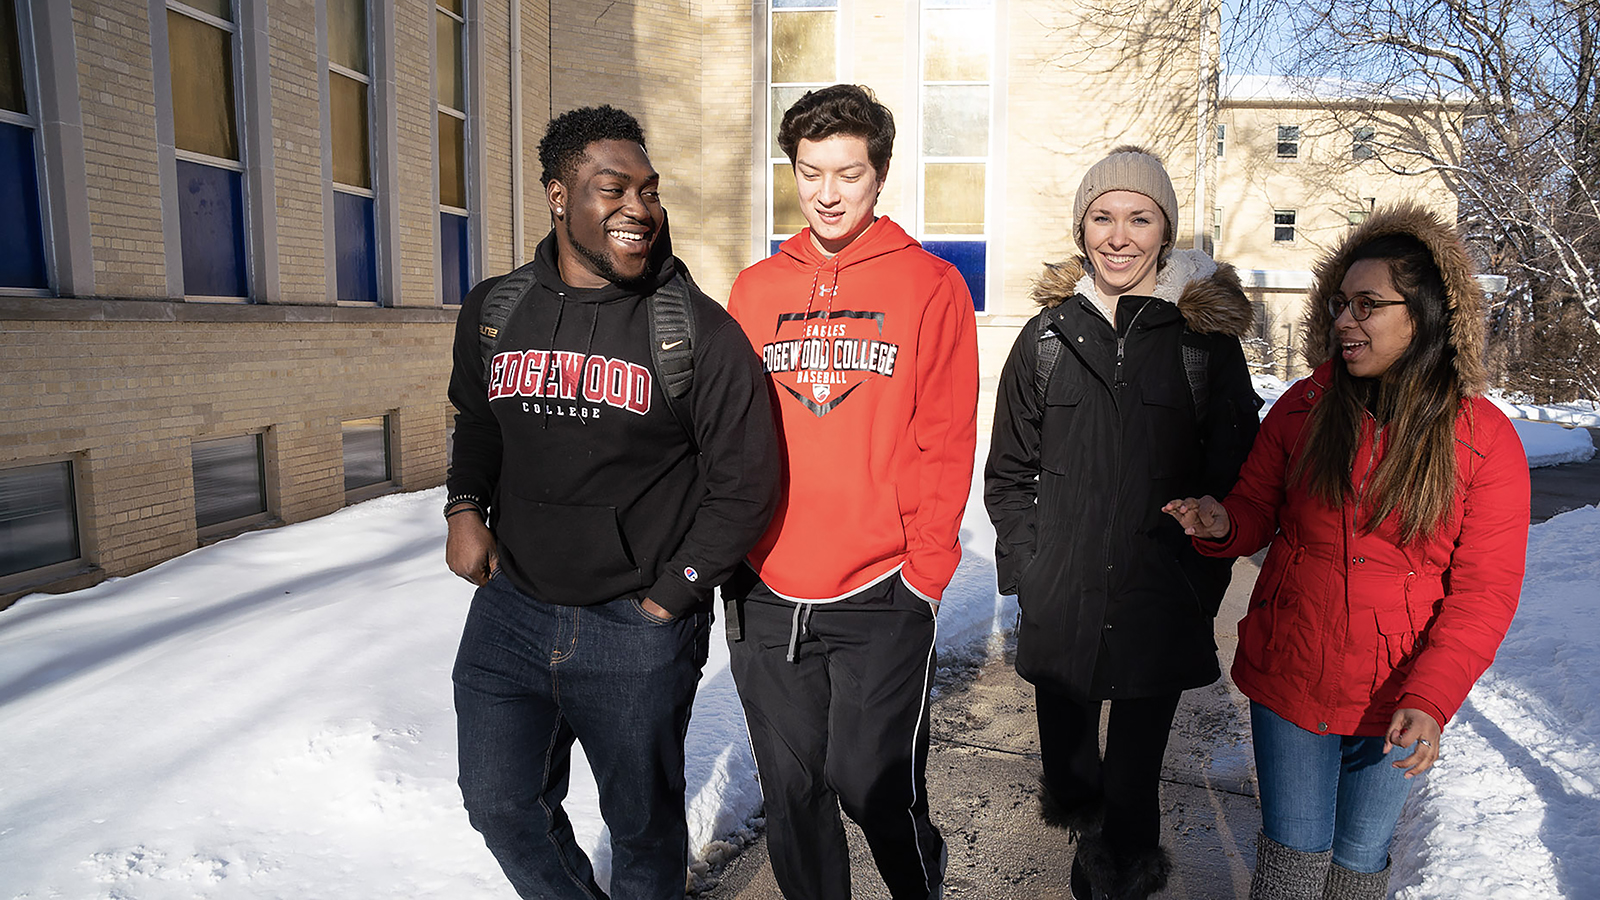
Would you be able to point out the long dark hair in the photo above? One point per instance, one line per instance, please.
(1416, 401)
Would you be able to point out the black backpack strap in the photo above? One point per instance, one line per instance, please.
(671, 311)
(1049, 353)
(1196, 369)
(502, 301)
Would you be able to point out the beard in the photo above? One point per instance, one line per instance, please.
(601, 264)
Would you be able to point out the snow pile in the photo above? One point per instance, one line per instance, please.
(1513, 809)
(271, 717)
(1585, 413)
(1550, 444)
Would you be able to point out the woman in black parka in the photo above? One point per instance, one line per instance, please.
(1147, 394)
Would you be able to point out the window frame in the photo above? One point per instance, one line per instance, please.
(986, 237)
(1292, 225)
(227, 527)
(1361, 145)
(472, 251)
(34, 121)
(768, 135)
(375, 37)
(76, 482)
(391, 480)
(1222, 140)
(257, 200)
(1289, 136)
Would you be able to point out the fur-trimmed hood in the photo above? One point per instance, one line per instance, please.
(1207, 293)
(1462, 293)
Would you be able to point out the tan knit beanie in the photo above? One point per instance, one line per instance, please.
(1127, 168)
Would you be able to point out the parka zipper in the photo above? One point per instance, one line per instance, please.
(1122, 340)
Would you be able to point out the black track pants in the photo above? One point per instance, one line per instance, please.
(844, 724)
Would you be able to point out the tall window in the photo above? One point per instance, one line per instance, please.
(38, 517)
(451, 72)
(803, 49)
(1361, 142)
(22, 262)
(957, 42)
(202, 46)
(1288, 141)
(350, 114)
(1283, 225)
(1222, 140)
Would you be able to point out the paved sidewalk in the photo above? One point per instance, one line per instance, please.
(983, 776)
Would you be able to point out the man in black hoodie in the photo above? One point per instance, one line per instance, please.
(596, 522)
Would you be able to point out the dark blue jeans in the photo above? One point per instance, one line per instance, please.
(1321, 791)
(532, 677)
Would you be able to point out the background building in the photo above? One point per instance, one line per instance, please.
(238, 230)
(1297, 165)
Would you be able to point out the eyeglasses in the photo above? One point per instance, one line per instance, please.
(1360, 307)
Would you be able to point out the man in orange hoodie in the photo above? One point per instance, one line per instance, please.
(870, 348)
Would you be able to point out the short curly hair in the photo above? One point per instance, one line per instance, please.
(569, 135)
(840, 109)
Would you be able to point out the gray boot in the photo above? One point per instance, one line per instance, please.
(1344, 884)
(1285, 874)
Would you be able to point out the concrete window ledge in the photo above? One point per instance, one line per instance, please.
(66, 309)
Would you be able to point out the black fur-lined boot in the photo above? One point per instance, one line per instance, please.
(1119, 876)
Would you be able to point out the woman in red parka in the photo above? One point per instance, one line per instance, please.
(1395, 498)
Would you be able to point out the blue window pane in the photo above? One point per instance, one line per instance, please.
(211, 217)
(774, 245)
(21, 230)
(970, 258)
(353, 241)
(38, 517)
(453, 256)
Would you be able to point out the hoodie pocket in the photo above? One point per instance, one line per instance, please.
(576, 554)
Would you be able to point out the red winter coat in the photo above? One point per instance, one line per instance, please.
(1347, 626)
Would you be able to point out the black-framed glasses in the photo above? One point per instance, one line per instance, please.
(1360, 307)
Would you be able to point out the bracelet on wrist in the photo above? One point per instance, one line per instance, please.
(463, 508)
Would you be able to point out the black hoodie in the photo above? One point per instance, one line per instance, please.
(595, 491)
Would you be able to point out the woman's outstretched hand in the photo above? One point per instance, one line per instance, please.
(1202, 518)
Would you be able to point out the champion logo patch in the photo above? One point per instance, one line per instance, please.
(690, 573)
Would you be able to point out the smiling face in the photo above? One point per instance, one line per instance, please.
(838, 189)
(609, 217)
(1123, 233)
(1369, 347)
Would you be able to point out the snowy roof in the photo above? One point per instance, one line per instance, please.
(1286, 89)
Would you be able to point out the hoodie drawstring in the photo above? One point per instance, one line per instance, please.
(561, 307)
(798, 628)
(832, 290)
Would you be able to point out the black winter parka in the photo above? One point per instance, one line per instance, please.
(1115, 601)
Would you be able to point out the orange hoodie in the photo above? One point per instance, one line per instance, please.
(873, 360)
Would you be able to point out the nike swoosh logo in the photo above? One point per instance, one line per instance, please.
(667, 346)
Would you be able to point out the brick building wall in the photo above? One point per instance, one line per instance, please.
(122, 383)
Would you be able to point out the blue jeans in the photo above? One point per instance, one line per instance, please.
(1321, 791)
(532, 677)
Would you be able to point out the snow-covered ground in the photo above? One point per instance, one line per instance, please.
(271, 717)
